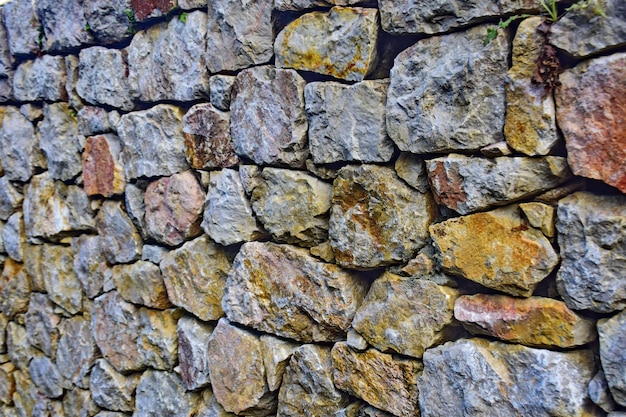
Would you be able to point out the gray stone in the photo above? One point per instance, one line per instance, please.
(89, 264)
(42, 324)
(71, 69)
(599, 392)
(110, 389)
(286, 5)
(455, 75)
(191, 4)
(32, 111)
(413, 171)
(111, 414)
(63, 24)
(46, 376)
(153, 142)
(356, 341)
(40, 79)
(60, 279)
(163, 394)
(158, 338)
(496, 149)
(93, 120)
(14, 289)
(26, 395)
(119, 240)
(4, 321)
(60, 142)
(268, 121)
(76, 351)
(250, 177)
(276, 355)
(141, 283)
(153, 253)
(7, 61)
(23, 27)
(612, 333)
(135, 206)
(220, 89)
(193, 337)
(347, 122)
(592, 238)
(79, 403)
(6, 88)
(108, 20)
(239, 34)
(18, 347)
(19, 146)
(10, 198)
(14, 237)
(477, 377)
(102, 78)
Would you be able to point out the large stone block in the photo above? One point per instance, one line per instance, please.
(103, 171)
(23, 27)
(42, 324)
(141, 283)
(76, 351)
(158, 337)
(19, 146)
(60, 279)
(63, 24)
(46, 376)
(163, 394)
(613, 355)
(41, 79)
(61, 142)
(89, 264)
(119, 240)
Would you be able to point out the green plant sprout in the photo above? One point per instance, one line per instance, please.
(87, 27)
(183, 17)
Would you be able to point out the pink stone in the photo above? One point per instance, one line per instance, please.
(103, 172)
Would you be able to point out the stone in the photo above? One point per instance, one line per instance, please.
(455, 75)
(7, 383)
(135, 205)
(390, 319)
(239, 34)
(209, 407)
(250, 177)
(228, 217)
(153, 253)
(60, 142)
(60, 280)
(496, 249)
(603, 21)
(376, 219)
(23, 27)
(153, 142)
(295, 5)
(412, 170)
(174, 208)
(63, 25)
(496, 149)
(193, 337)
(323, 251)
(341, 42)
(540, 216)
(534, 321)
(79, 403)
(4, 321)
(594, 140)
(158, 338)
(308, 388)
(19, 146)
(162, 394)
(612, 355)
(220, 89)
(268, 120)
(40, 79)
(10, 198)
(46, 376)
(14, 289)
(151, 73)
(276, 355)
(237, 372)
(592, 241)
(103, 171)
(18, 347)
(42, 324)
(149, 9)
(14, 237)
(272, 201)
(110, 389)
(26, 395)
(32, 111)
(102, 78)
(108, 20)
(477, 377)
(207, 138)
(467, 184)
(356, 341)
(71, 69)
(105, 413)
(93, 120)
(195, 277)
(76, 351)
(282, 290)
(191, 4)
(599, 392)
(119, 240)
(141, 283)
(89, 264)
(384, 381)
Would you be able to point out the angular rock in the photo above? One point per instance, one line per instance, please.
(32, 111)
(467, 184)
(162, 394)
(60, 141)
(4, 321)
(105, 413)
(14, 237)
(174, 208)
(153, 142)
(60, 279)
(534, 321)
(385, 381)
(273, 202)
(153, 253)
(14, 289)
(341, 42)
(207, 138)
(135, 205)
(19, 146)
(79, 403)
(76, 351)
(10, 198)
(220, 89)
(477, 377)
(268, 120)
(541, 216)
(7, 383)
(119, 240)
(46, 376)
(413, 171)
(191, 4)
(209, 407)
(148, 9)
(377, 219)
(26, 395)
(281, 289)
(455, 75)
(239, 34)
(496, 149)
(110, 389)
(276, 355)
(356, 341)
(18, 347)
(286, 5)
(612, 354)
(42, 324)
(195, 277)
(193, 337)
(158, 338)
(590, 123)
(41, 79)
(108, 20)
(23, 27)
(103, 171)
(102, 78)
(495, 249)
(599, 392)
(71, 69)
(228, 217)
(89, 264)
(34, 265)
(63, 24)
(141, 283)
(93, 120)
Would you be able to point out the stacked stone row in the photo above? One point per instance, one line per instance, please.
(311, 208)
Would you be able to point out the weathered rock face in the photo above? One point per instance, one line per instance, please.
(268, 121)
(276, 355)
(19, 146)
(22, 26)
(14, 289)
(590, 121)
(466, 184)
(158, 339)
(455, 75)
(376, 218)
(42, 324)
(496, 249)
(108, 20)
(141, 283)
(599, 392)
(103, 171)
(40, 79)
(282, 290)
(475, 376)
(110, 389)
(46, 377)
(382, 380)
(60, 142)
(149, 9)
(540, 216)
(14, 237)
(193, 337)
(76, 351)
(18, 347)
(60, 280)
(341, 42)
(89, 264)
(162, 394)
(592, 240)
(612, 338)
(119, 240)
(78, 402)
(195, 277)
(10, 198)
(239, 34)
(220, 90)
(63, 24)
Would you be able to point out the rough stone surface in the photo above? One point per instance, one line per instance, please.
(14, 237)
(228, 217)
(40, 79)
(193, 337)
(220, 90)
(152, 74)
(63, 24)
(412, 170)
(592, 238)
(46, 377)
(135, 205)
(495, 249)
(376, 218)
(209, 407)
(294, 5)
(18, 347)
(467, 184)
(195, 277)
(14, 289)
(42, 323)
(141, 283)
(591, 103)
(26, 395)
(149, 9)
(599, 392)
(386, 382)
(158, 338)
(239, 34)
(76, 351)
(60, 142)
(276, 355)
(7, 383)
(108, 20)
(22, 26)
(541, 216)
(89, 264)
(390, 319)
(33, 264)
(10, 198)
(103, 171)
(341, 42)
(612, 354)
(110, 389)
(237, 372)
(153, 142)
(174, 208)
(162, 394)
(93, 120)
(78, 402)
(295, 295)
(455, 75)
(19, 146)
(60, 279)
(273, 200)
(268, 120)
(119, 240)
(477, 377)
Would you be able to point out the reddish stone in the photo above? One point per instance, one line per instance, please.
(151, 8)
(102, 170)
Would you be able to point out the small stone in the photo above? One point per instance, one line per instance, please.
(250, 177)
(93, 120)
(341, 42)
(324, 172)
(497, 149)
(26, 395)
(220, 88)
(14, 289)
(42, 324)
(31, 111)
(10, 198)
(149, 9)
(22, 26)
(191, 4)
(108, 20)
(76, 351)
(239, 34)
(495, 249)
(413, 171)
(7, 383)
(195, 277)
(110, 389)
(153, 253)
(386, 382)
(209, 407)
(18, 347)
(71, 69)
(324, 251)
(46, 376)
(33, 264)
(40, 79)
(276, 355)
(356, 341)
(135, 206)
(541, 216)
(162, 394)
(119, 240)
(60, 279)
(19, 146)
(63, 24)
(14, 237)
(141, 283)
(60, 142)
(78, 403)
(193, 336)
(4, 321)
(599, 392)
(89, 264)
(612, 354)
(103, 172)
(158, 338)
(174, 208)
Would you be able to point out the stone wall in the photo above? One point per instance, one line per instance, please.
(332, 208)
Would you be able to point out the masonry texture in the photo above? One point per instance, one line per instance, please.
(327, 208)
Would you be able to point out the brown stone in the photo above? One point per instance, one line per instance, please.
(7, 383)
(145, 9)
(158, 337)
(60, 279)
(103, 172)
(141, 283)
(14, 288)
